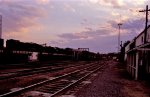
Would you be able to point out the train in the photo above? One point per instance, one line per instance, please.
(21, 52)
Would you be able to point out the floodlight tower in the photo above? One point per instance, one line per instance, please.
(0, 26)
(119, 25)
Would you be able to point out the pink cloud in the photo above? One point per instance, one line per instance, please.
(43, 1)
(111, 3)
(68, 7)
(20, 17)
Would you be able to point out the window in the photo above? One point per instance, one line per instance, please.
(142, 39)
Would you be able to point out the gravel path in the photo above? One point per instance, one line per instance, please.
(114, 82)
(106, 84)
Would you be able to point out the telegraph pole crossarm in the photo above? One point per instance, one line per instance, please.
(147, 10)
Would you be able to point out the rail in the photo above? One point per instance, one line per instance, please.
(9, 94)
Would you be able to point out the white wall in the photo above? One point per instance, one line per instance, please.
(140, 40)
(33, 56)
(148, 35)
(126, 49)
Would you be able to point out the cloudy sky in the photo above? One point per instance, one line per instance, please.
(73, 23)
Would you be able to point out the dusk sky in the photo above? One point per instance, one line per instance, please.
(73, 23)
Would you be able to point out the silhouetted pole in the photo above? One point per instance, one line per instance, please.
(145, 22)
(0, 26)
(119, 37)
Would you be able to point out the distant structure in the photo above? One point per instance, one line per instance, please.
(0, 26)
(78, 52)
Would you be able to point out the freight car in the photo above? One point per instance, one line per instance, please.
(1, 43)
(20, 52)
(21, 46)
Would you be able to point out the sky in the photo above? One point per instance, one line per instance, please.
(74, 24)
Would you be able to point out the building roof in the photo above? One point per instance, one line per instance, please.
(142, 32)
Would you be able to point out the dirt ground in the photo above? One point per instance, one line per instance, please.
(114, 81)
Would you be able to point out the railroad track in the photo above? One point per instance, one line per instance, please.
(57, 85)
(34, 66)
(30, 72)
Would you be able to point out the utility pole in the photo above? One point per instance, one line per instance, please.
(143, 68)
(146, 10)
(119, 36)
(0, 26)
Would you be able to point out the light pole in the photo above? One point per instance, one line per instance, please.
(0, 26)
(119, 25)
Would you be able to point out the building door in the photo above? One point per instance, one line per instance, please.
(142, 65)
